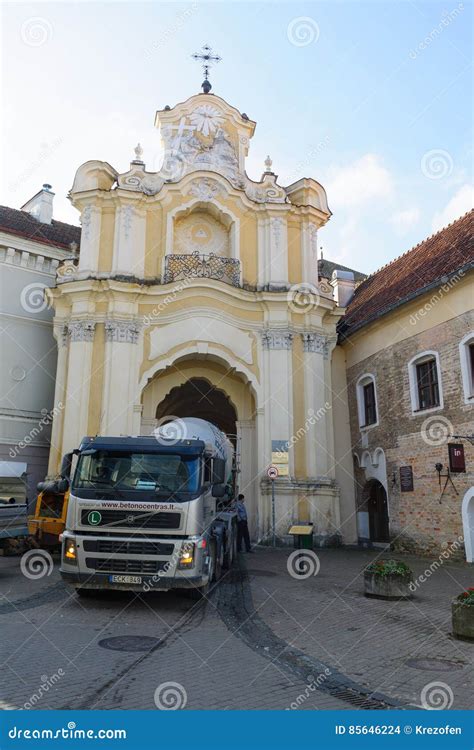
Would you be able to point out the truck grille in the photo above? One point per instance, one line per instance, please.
(115, 546)
(130, 519)
(125, 566)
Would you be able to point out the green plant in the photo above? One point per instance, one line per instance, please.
(385, 568)
(466, 597)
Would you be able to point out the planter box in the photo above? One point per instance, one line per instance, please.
(463, 620)
(387, 587)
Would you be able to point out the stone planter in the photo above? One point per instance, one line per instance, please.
(463, 620)
(392, 586)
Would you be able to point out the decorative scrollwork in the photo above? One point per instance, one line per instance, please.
(198, 265)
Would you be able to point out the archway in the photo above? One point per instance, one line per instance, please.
(375, 500)
(198, 397)
(468, 524)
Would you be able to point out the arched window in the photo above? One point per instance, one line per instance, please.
(426, 392)
(466, 353)
(367, 401)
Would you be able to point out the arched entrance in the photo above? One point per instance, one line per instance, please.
(204, 386)
(198, 397)
(375, 500)
(468, 524)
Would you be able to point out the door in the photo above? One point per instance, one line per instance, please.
(378, 513)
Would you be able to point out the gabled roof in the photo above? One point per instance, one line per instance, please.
(427, 265)
(22, 224)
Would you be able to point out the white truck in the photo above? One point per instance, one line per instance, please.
(150, 513)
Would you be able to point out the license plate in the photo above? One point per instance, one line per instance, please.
(125, 579)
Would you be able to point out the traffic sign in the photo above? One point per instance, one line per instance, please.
(272, 472)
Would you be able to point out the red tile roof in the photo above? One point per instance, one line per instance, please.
(426, 265)
(22, 224)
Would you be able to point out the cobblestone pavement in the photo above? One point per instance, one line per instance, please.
(263, 640)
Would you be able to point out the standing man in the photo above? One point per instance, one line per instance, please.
(242, 525)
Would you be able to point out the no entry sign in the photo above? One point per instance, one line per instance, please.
(272, 472)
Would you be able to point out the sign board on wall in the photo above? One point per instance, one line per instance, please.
(457, 462)
(406, 478)
(280, 456)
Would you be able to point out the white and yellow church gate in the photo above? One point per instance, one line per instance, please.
(196, 293)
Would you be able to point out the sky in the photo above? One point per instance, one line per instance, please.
(372, 99)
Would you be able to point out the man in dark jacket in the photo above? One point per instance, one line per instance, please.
(242, 525)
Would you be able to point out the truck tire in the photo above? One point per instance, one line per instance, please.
(231, 551)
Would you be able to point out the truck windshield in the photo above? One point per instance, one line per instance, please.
(145, 473)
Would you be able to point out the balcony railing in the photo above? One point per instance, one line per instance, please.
(196, 265)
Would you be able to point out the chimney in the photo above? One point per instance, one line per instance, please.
(40, 206)
(343, 284)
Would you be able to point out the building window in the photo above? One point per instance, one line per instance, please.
(466, 352)
(367, 401)
(425, 382)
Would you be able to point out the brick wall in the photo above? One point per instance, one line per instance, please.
(419, 521)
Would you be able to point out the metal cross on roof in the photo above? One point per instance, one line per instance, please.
(208, 59)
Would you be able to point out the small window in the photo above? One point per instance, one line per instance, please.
(427, 384)
(426, 391)
(370, 411)
(466, 352)
(367, 401)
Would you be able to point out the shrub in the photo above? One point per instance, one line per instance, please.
(385, 568)
(466, 597)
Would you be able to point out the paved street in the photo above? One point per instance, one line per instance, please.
(263, 640)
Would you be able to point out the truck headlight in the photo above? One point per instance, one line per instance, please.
(70, 550)
(186, 557)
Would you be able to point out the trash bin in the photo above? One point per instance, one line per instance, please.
(302, 535)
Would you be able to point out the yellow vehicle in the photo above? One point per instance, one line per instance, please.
(49, 519)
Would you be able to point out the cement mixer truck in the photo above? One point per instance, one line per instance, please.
(150, 513)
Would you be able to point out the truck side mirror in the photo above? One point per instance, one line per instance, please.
(66, 465)
(218, 471)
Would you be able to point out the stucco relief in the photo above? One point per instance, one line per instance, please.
(200, 232)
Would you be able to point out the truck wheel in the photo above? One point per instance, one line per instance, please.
(219, 563)
(231, 551)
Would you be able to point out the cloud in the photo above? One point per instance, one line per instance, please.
(403, 221)
(364, 181)
(461, 202)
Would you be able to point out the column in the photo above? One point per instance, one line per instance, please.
(90, 239)
(81, 337)
(120, 416)
(56, 448)
(318, 405)
(129, 241)
(273, 251)
(309, 253)
(248, 476)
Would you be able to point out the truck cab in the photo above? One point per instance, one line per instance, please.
(148, 513)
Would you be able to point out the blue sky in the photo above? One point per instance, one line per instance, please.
(371, 99)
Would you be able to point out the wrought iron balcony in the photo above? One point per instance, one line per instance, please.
(197, 265)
